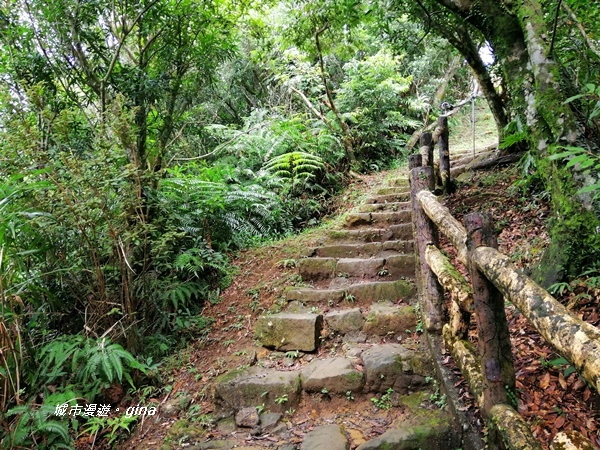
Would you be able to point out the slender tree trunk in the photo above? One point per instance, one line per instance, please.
(346, 135)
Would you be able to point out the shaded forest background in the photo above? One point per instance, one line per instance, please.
(142, 143)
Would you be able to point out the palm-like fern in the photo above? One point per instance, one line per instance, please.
(295, 166)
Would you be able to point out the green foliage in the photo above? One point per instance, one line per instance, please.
(591, 97)
(295, 166)
(112, 427)
(384, 401)
(89, 365)
(32, 426)
(582, 160)
(374, 98)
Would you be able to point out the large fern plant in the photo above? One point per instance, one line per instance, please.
(297, 168)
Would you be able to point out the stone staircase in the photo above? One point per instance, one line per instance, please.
(351, 335)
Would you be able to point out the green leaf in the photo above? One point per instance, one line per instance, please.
(591, 188)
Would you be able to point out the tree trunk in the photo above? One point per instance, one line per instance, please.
(346, 135)
(534, 101)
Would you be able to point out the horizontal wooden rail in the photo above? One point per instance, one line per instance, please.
(576, 340)
(441, 217)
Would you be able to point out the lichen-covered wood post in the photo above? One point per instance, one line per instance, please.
(493, 335)
(426, 149)
(425, 233)
(444, 151)
(461, 293)
(415, 161)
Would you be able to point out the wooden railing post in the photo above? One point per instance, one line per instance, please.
(414, 161)
(444, 154)
(425, 233)
(426, 149)
(493, 334)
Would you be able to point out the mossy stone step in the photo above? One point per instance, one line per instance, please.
(399, 182)
(335, 375)
(361, 293)
(389, 198)
(257, 386)
(424, 426)
(319, 268)
(402, 231)
(330, 437)
(390, 206)
(289, 331)
(366, 250)
(394, 366)
(393, 190)
(377, 218)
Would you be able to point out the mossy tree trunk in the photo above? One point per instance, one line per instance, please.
(533, 100)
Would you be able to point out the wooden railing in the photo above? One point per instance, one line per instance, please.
(488, 368)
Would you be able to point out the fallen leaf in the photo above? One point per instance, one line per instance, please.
(545, 381)
(561, 381)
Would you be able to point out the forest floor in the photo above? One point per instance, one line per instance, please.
(551, 395)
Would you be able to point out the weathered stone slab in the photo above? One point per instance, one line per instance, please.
(326, 437)
(255, 386)
(382, 290)
(269, 420)
(366, 250)
(316, 268)
(369, 218)
(364, 292)
(360, 267)
(387, 198)
(389, 206)
(400, 265)
(247, 417)
(406, 246)
(288, 331)
(399, 182)
(336, 375)
(394, 366)
(402, 231)
(311, 295)
(383, 318)
(393, 190)
(345, 320)
(421, 427)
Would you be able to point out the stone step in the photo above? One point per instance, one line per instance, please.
(363, 293)
(384, 367)
(380, 319)
(289, 331)
(389, 198)
(256, 386)
(391, 206)
(366, 250)
(393, 190)
(399, 182)
(423, 426)
(319, 268)
(354, 220)
(402, 231)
